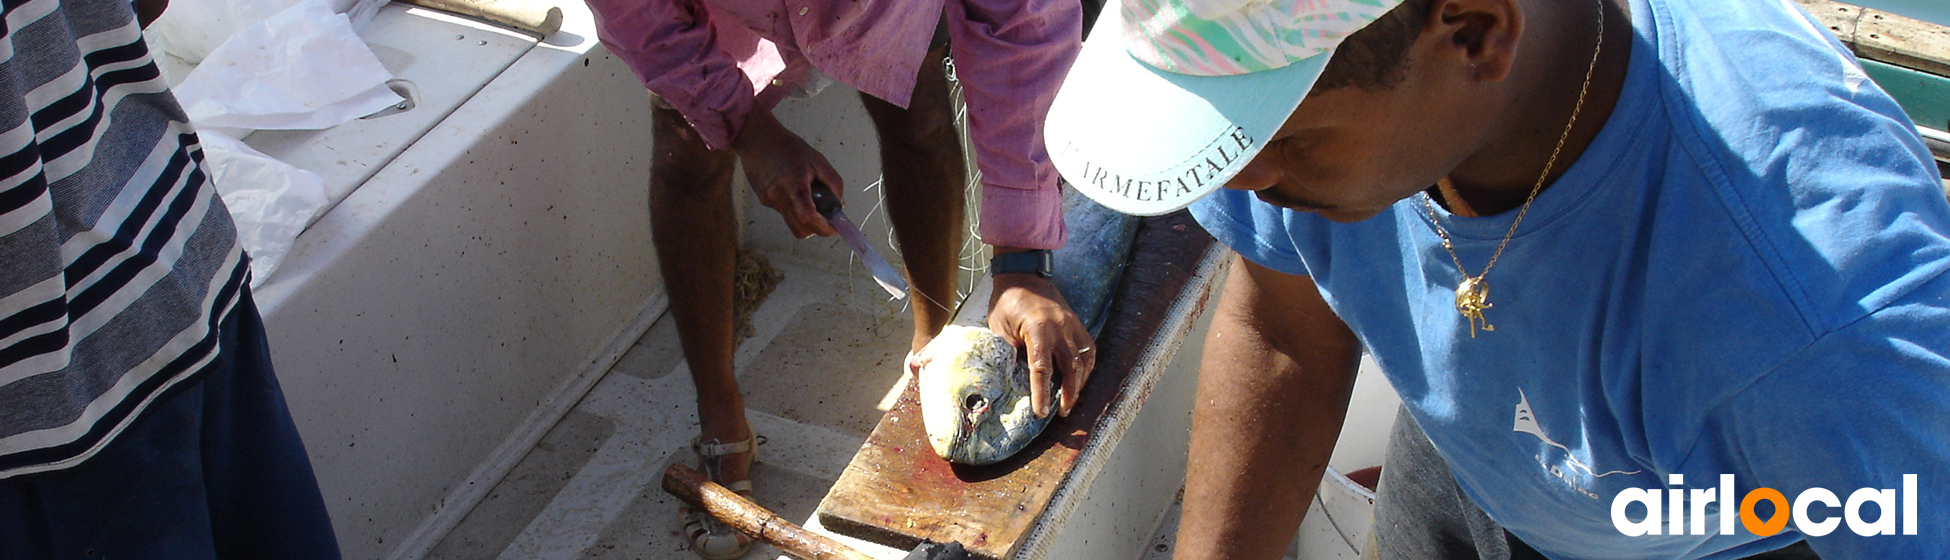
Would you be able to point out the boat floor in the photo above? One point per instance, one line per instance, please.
(821, 367)
(818, 371)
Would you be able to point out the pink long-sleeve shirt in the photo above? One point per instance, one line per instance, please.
(715, 60)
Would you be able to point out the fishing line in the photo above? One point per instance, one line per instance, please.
(973, 256)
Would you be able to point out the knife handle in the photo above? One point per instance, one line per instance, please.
(823, 199)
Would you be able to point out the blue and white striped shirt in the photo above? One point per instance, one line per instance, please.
(119, 258)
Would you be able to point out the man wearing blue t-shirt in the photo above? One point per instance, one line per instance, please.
(1656, 278)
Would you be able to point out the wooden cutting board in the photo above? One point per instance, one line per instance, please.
(896, 492)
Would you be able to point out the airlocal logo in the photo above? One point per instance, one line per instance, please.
(1673, 503)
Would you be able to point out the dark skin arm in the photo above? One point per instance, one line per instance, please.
(146, 11)
(1272, 392)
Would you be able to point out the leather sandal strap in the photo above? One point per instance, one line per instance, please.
(713, 449)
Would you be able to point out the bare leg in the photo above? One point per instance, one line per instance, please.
(920, 159)
(692, 222)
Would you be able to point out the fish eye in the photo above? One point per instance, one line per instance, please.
(974, 401)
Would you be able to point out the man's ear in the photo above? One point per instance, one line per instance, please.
(1481, 35)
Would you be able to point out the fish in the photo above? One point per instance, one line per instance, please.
(1092, 260)
(975, 401)
(974, 385)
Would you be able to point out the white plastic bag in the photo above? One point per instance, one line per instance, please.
(271, 201)
(301, 69)
(191, 29)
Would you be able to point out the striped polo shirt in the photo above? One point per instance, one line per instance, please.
(119, 259)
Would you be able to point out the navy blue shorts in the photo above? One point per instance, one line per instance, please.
(213, 470)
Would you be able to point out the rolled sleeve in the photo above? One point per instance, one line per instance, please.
(1026, 218)
(674, 50)
(1011, 56)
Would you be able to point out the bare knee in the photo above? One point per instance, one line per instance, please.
(681, 163)
(923, 125)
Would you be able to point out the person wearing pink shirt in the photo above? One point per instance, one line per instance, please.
(718, 67)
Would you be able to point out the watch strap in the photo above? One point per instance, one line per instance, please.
(1035, 262)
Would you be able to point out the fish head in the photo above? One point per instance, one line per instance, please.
(975, 399)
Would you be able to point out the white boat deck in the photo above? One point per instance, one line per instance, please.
(818, 373)
(822, 366)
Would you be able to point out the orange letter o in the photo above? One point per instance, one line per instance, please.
(1773, 524)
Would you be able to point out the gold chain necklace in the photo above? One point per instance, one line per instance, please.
(1473, 294)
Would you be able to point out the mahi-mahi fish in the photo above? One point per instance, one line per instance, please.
(974, 385)
(975, 397)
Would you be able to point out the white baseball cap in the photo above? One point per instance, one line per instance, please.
(1171, 98)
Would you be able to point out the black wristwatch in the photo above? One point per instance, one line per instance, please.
(1035, 262)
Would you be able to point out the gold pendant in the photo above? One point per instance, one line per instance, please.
(1472, 298)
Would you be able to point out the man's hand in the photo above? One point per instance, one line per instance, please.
(1028, 312)
(781, 168)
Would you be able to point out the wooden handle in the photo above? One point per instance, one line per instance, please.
(752, 519)
(532, 16)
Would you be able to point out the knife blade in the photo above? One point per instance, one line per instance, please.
(828, 205)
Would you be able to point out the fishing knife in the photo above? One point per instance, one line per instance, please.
(828, 205)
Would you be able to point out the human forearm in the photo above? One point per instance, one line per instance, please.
(1273, 389)
(1022, 219)
(1010, 58)
(146, 11)
(673, 49)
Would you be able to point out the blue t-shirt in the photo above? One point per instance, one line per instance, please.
(1743, 274)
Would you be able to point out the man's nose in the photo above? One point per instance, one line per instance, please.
(1259, 174)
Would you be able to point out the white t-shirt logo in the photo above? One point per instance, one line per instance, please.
(1526, 422)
